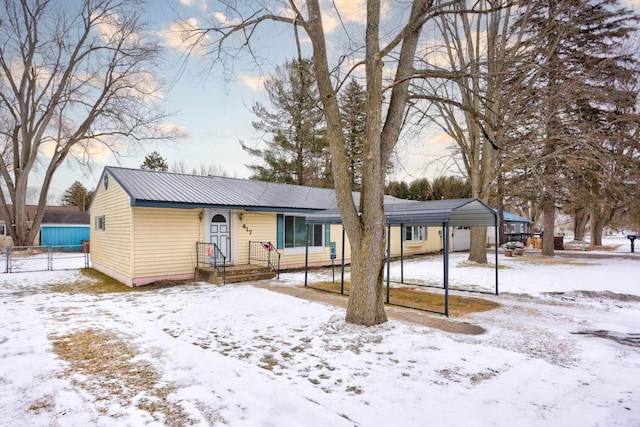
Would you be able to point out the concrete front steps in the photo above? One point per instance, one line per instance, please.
(235, 274)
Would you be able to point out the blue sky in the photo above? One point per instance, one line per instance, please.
(213, 112)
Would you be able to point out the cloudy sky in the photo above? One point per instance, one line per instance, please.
(211, 105)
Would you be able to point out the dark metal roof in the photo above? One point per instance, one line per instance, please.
(455, 212)
(155, 188)
(61, 217)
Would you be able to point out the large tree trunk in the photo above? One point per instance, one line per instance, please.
(597, 233)
(366, 298)
(604, 215)
(23, 228)
(502, 238)
(580, 219)
(478, 250)
(548, 223)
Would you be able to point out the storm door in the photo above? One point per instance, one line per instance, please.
(219, 233)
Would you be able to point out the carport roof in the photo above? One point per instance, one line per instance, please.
(455, 212)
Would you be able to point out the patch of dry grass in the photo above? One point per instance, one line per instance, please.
(421, 299)
(95, 283)
(104, 364)
(549, 260)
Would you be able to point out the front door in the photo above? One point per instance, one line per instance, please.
(219, 232)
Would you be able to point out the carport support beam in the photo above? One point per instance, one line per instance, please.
(445, 227)
(342, 272)
(388, 260)
(401, 253)
(496, 240)
(306, 254)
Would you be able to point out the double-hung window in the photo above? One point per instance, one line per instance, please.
(415, 233)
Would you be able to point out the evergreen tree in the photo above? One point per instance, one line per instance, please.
(296, 147)
(77, 195)
(353, 108)
(420, 189)
(398, 189)
(154, 162)
(450, 187)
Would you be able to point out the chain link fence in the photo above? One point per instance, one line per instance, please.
(20, 259)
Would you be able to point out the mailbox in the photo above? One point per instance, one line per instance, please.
(332, 248)
(632, 238)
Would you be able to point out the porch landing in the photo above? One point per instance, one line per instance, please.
(235, 274)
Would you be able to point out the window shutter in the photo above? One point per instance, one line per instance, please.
(327, 234)
(280, 231)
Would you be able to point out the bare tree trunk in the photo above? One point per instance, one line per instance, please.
(548, 219)
(597, 233)
(366, 298)
(593, 231)
(477, 252)
(603, 217)
(502, 238)
(580, 219)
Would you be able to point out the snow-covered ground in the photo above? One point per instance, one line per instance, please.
(562, 349)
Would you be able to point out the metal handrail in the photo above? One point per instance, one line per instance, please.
(210, 255)
(265, 252)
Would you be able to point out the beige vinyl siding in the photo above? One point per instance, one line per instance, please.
(261, 227)
(432, 244)
(111, 248)
(165, 241)
(253, 226)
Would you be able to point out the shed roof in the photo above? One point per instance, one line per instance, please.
(166, 189)
(455, 212)
(62, 217)
(511, 217)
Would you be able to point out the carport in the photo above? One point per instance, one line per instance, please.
(434, 213)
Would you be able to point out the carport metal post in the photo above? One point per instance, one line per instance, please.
(306, 253)
(342, 272)
(401, 253)
(496, 237)
(388, 260)
(445, 228)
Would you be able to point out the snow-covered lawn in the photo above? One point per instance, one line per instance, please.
(563, 349)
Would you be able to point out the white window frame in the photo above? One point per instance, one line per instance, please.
(419, 233)
(100, 223)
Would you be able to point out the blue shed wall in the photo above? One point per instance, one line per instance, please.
(70, 236)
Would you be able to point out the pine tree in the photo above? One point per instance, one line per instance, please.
(450, 187)
(154, 162)
(77, 195)
(296, 147)
(399, 189)
(420, 189)
(352, 106)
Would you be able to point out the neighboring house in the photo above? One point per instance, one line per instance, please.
(145, 224)
(74, 222)
(516, 229)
